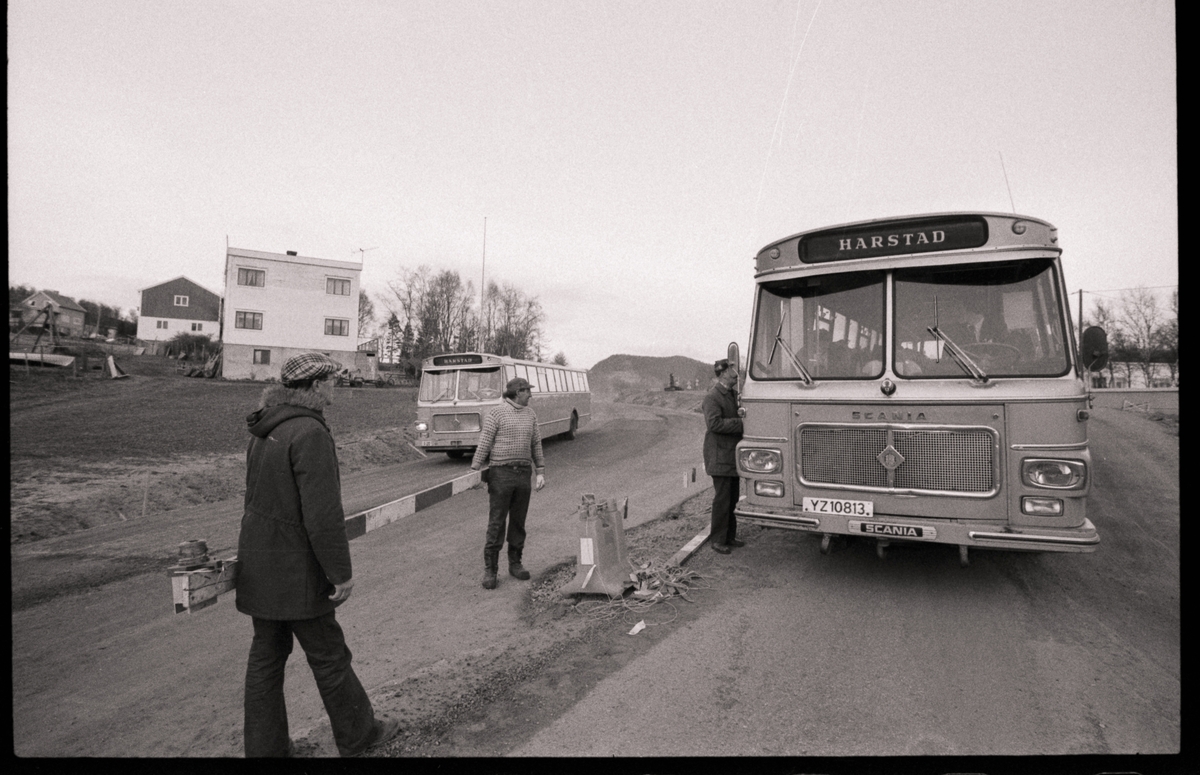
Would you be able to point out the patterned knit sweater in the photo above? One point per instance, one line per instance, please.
(510, 434)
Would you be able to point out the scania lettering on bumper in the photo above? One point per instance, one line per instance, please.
(892, 530)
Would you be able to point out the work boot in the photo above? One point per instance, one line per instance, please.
(490, 563)
(515, 569)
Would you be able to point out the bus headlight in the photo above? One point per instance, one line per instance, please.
(1054, 474)
(422, 427)
(760, 461)
(768, 489)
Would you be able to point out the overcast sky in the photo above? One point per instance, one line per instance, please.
(630, 157)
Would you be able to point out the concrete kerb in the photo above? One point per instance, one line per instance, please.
(363, 522)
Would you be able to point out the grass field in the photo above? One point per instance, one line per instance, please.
(88, 450)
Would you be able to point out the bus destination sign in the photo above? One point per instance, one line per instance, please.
(896, 238)
(457, 360)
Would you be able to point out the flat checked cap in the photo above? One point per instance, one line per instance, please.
(516, 384)
(306, 366)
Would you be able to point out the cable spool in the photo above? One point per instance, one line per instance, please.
(193, 553)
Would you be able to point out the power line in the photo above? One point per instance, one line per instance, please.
(1140, 287)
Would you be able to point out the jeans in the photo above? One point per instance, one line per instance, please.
(725, 496)
(350, 712)
(509, 489)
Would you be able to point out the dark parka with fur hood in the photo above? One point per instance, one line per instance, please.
(293, 546)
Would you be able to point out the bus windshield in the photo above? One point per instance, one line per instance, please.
(480, 384)
(823, 327)
(1003, 317)
(461, 385)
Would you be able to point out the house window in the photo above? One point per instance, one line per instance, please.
(337, 287)
(248, 320)
(253, 277)
(181, 301)
(197, 326)
(336, 327)
(262, 357)
(160, 324)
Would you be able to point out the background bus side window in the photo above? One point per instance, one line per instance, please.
(510, 373)
(541, 385)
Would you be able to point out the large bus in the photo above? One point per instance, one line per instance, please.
(917, 379)
(459, 389)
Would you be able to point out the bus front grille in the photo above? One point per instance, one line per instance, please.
(449, 423)
(955, 460)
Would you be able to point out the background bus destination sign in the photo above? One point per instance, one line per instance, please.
(457, 360)
(921, 236)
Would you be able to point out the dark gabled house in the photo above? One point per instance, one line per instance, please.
(178, 305)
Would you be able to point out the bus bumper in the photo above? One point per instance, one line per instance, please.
(433, 445)
(981, 535)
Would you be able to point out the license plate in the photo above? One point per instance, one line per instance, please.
(891, 530)
(839, 507)
(455, 443)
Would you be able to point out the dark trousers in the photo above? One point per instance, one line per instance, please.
(725, 496)
(509, 488)
(350, 712)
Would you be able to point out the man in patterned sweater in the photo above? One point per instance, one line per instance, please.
(512, 442)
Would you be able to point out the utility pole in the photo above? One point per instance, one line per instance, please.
(482, 286)
(1080, 312)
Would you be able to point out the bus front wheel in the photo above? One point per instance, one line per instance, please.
(455, 454)
(574, 426)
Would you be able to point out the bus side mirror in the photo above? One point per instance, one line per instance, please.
(1093, 350)
(734, 357)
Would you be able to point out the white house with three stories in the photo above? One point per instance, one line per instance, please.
(280, 305)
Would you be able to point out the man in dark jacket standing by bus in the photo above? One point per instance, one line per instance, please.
(724, 429)
(511, 441)
(294, 564)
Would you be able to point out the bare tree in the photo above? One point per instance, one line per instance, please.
(1141, 319)
(366, 315)
(1167, 339)
(437, 312)
(1103, 315)
(513, 322)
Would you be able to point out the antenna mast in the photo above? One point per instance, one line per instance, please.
(482, 284)
(1002, 169)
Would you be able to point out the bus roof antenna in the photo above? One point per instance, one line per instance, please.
(1010, 198)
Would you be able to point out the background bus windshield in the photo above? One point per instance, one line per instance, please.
(461, 385)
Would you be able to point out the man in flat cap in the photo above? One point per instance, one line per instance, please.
(294, 564)
(724, 430)
(513, 444)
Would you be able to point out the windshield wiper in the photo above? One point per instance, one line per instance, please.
(960, 357)
(808, 380)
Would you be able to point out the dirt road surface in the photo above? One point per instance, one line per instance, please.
(103, 667)
(782, 651)
(801, 654)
